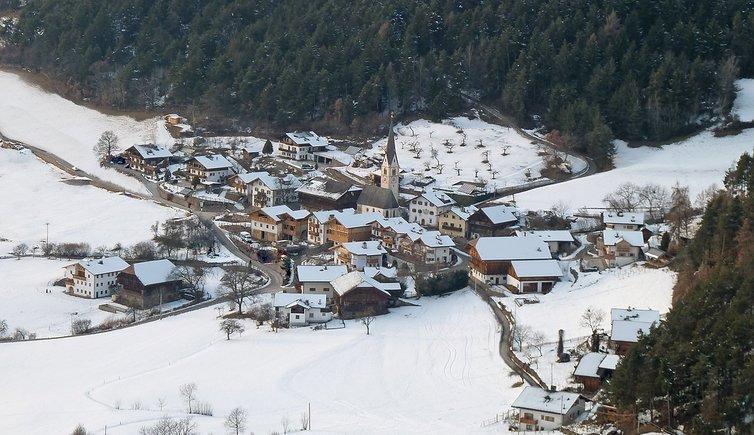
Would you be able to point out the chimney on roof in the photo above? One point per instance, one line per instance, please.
(364, 245)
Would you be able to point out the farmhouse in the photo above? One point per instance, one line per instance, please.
(543, 410)
(491, 256)
(559, 241)
(623, 221)
(627, 324)
(317, 279)
(357, 255)
(455, 222)
(94, 278)
(533, 276)
(620, 248)
(213, 168)
(265, 190)
(278, 223)
(321, 193)
(147, 158)
(301, 145)
(356, 295)
(390, 230)
(350, 227)
(374, 199)
(594, 368)
(144, 285)
(492, 221)
(296, 309)
(429, 247)
(427, 208)
(318, 226)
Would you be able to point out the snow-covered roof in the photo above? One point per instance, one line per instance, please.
(464, 212)
(627, 330)
(436, 198)
(538, 399)
(326, 188)
(355, 220)
(536, 268)
(635, 314)
(307, 138)
(289, 181)
(213, 161)
(103, 265)
(623, 218)
(610, 362)
(511, 248)
(324, 273)
(372, 247)
(324, 215)
(154, 272)
(612, 237)
(589, 365)
(311, 300)
(401, 226)
(278, 210)
(499, 214)
(149, 151)
(354, 280)
(549, 235)
(433, 239)
(388, 272)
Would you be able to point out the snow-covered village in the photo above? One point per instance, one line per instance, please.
(444, 275)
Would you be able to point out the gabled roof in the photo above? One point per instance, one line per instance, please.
(327, 188)
(307, 138)
(624, 218)
(289, 181)
(436, 198)
(378, 197)
(150, 151)
(356, 220)
(401, 226)
(511, 248)
(308, 300)
(536, 268)
(154, 272)
(276, 211)
(372, 247)
(324, 273)
(610, 362)
(354, 280)
(103, 265)
(387, 272)
(548, 235)
(626, 330)
(324, 215)
(499, 214)
(463, 212)
(213, 161)
(612, 237)
(589, 365)
(433, 239)
(538, 399)
(635, 314)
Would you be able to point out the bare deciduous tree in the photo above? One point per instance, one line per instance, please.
(560, 209)
(366, 318)
(624, 199)
(170, 426)
(107, 145)
(188, 393)
(238, 284)
(537, 340)
(592, 318)
(506, 149)
(681, 211)
(440, 167)
(20, 250)
(521, 334)
(705, 196)
(80, 326)
(304, 419)
(236, 420)
(230, 326)
(654, 199)
(3, 328)
(285, 424)
(193, 276)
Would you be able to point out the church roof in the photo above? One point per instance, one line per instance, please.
(378, 197)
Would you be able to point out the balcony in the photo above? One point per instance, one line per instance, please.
(527, 420)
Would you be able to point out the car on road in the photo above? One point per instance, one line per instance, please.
(246, 237)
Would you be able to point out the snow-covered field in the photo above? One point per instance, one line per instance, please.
(32, 194)
(697, 162)
(429, 369)
(631, 286)
(52, 123)
(522, 155)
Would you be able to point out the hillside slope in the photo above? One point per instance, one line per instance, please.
(636, 69)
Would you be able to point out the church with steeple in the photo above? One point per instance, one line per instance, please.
(390, 169)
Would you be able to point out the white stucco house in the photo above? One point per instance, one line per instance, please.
(317, 279)
(623, 221)
(213, 168)
(301, 309)
(94, 278)
(543, 410)
(620, 248)
(426, 208)
(357, 255)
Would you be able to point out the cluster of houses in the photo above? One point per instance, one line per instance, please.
(141, 285)
(542, 409)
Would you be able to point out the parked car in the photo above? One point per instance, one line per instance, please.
(245, 236)
(118, 160)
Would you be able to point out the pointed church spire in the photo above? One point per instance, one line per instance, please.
(390, 149)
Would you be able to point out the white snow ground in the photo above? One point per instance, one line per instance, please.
(429, 369)
(32, 194)
(52, 123)
(522, 154)
(697, 162)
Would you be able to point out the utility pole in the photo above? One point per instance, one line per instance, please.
(47, 236)
(310, 416)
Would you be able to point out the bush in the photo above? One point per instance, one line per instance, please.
(72, 250)
(81, 326)
(442, 283)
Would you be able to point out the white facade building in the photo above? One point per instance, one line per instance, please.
(543, 410)
(357, 255)
(623, 221)
(427, 208)
(621, 247)
(317, 279)
(214, 168)
(301, 309)
(94, 278)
